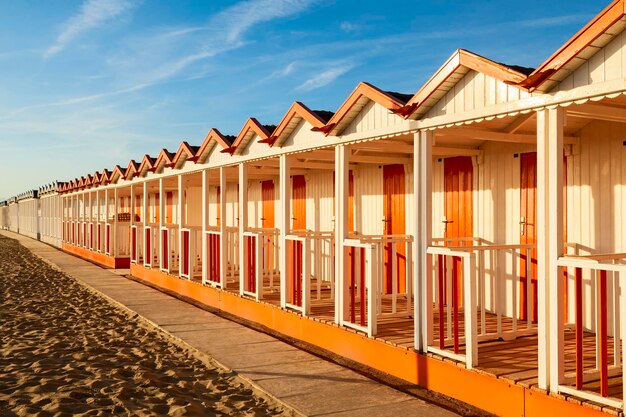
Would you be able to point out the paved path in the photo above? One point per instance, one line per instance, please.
(308, 384)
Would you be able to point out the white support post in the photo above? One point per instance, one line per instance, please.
(372, 271)
(90, 225)
(306, 282)
(622, 306)
(341, 230)
(161, 222)
(116, 203)
(144, 217)
(144, 205)
(205, 204)
(98, 227)
(82, 220)
(284, 225)
(243, 222)
(180, 213)
(106, 217)
(469, 303)
(224, 243)
(550, 246)
(422, 275)
(133, 202)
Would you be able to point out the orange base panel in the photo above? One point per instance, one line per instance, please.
(481, 390)
(97, 257)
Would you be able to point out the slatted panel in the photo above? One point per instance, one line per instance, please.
(394, 213)
(372, 116)
(596, 65)
(472, 91)
(298, 199)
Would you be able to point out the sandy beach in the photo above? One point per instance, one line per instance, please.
(67, 351)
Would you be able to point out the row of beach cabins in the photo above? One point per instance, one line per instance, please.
(469, 238)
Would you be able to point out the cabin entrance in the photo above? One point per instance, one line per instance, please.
(298, 198)
(394, 225)
(528, 234)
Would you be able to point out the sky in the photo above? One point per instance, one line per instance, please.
(86, 85)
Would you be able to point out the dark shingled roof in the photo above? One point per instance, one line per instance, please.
(518, 68)
(269, 128)
(230, 139)
(323, 114)
(404, 98)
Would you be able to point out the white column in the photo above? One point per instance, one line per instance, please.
(243, 221)
(205, 204)
(98, 226)
(422, 282)
(83, 215)
(550, 246)
(106, 216)
(224, 243)
(89, 226)
(144, 204)
(115, 212)
(341, 229)
(132, 205)
(161, 205)
(284, 225)
(181, 214)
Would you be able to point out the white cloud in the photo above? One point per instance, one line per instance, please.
(92, 14)
(348, 26)
(242, 16)
(324, 78)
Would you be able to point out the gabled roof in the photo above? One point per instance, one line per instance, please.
(563, 62)
(88, 180)
(450, 72)
(105, 178)
(212, 138)
(117, 173)
(147, 164)
(250, 128)
(185, 153)
(362, 94)
(81, 182)
(163, 160)
(131, 170)
(96, 178)
(296, 113)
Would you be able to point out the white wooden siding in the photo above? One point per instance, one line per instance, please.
(608, 63)
(372, 116)
(475, 91)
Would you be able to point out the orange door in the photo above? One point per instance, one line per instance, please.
(528, 232)
(138, 208)
(157, 208)
(458, 222)
(219, 207)
(458, 219)
(267, 221)
(169, 202)
(267, 195)
(395, 224)
(298, 198)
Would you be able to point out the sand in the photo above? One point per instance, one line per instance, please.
(65, 351)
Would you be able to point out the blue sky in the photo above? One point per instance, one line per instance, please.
(86, 85)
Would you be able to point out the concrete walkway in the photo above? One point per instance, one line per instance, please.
(310, 385)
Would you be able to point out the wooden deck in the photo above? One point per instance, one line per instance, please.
(513, 360)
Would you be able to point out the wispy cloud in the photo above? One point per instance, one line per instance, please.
(244, 15)
(325, 77)
(92, 14)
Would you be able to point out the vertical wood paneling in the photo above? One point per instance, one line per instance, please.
(372, 116)
(609, 63)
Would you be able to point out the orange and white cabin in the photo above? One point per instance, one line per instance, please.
(469, 237)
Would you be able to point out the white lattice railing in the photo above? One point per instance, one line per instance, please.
(597, 289)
